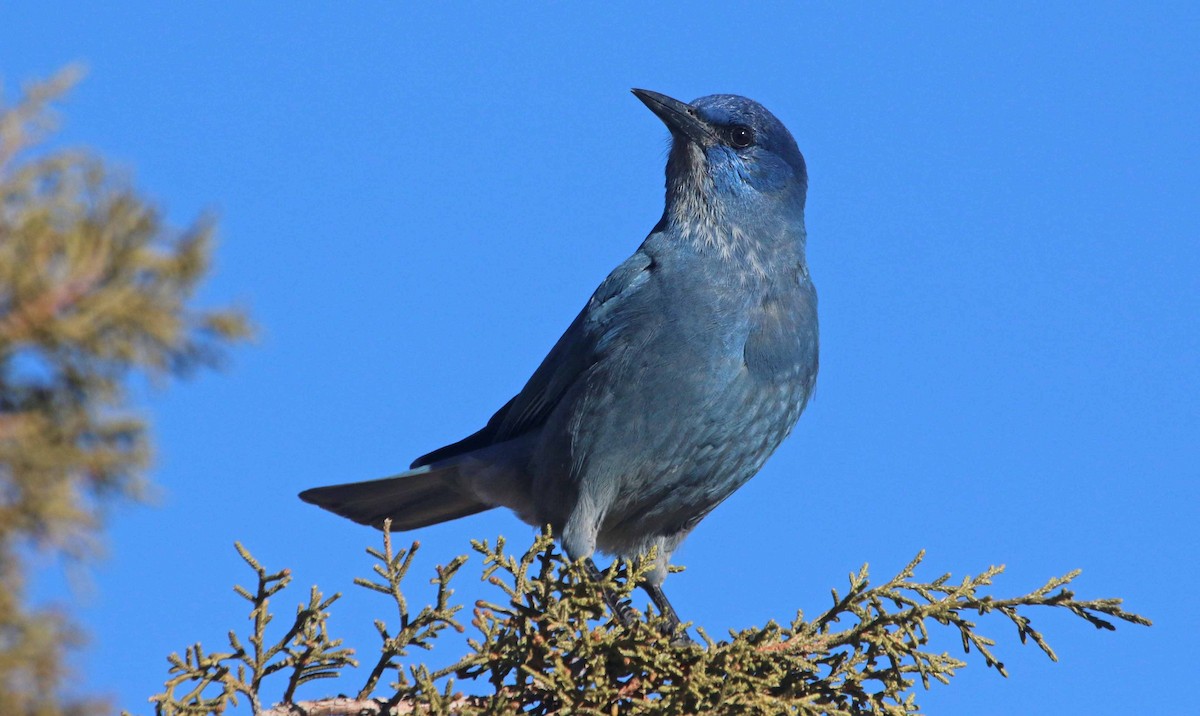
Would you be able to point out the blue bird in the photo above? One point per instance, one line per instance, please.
(687, 367)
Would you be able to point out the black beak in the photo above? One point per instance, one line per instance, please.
(679, 117)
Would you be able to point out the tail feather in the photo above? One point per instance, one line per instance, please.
(412, 499)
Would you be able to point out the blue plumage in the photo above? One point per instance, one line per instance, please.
(685, 370)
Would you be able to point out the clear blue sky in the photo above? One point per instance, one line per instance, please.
(1003, 227)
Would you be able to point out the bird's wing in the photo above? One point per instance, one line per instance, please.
(579, 348)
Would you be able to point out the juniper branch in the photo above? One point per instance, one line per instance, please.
(550, 645)
(419, 631)
(96, 290)
(305, 648)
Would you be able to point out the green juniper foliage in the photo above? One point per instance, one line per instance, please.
(95, 290)
(306, 651)
(547, 645)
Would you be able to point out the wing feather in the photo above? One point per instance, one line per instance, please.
(580, 347)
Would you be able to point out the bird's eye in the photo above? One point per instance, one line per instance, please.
(741, 136)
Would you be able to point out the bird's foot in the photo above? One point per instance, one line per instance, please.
(673, 628)
(622, 611)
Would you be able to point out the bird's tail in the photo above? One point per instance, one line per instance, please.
(417, 498)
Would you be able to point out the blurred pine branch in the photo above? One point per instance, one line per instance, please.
(549, 645)
(95, 290)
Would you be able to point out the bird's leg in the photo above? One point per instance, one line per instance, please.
(622, 611)
(679, 637)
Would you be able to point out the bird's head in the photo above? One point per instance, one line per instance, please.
(728, 155)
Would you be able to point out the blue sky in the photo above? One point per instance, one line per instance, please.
(414, 203)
